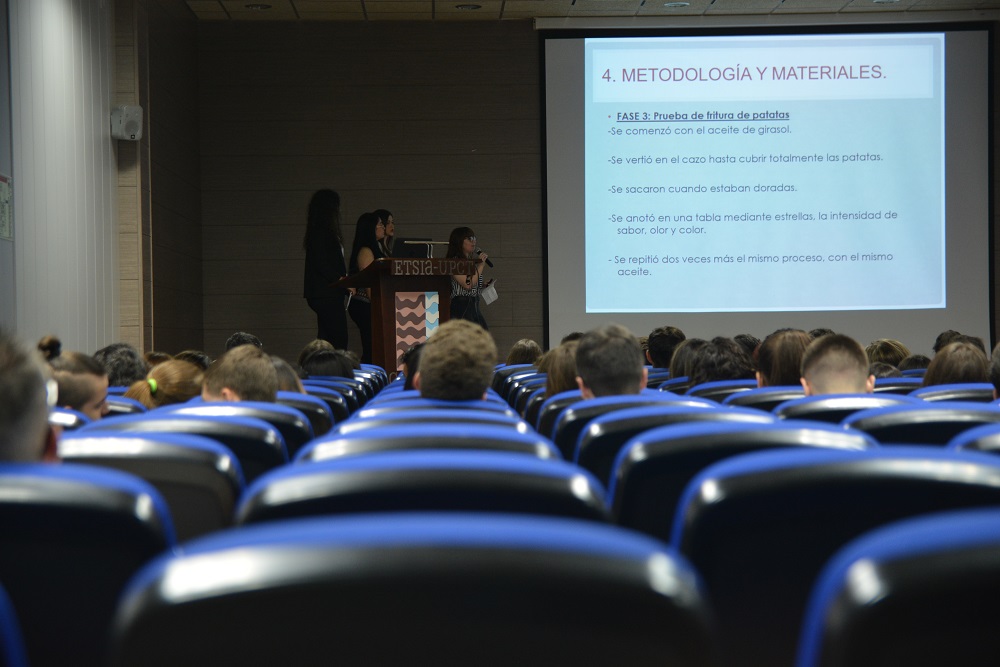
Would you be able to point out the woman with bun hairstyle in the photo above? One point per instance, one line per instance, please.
(173, 381)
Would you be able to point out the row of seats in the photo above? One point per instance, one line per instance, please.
(398, 452)
(750, 538)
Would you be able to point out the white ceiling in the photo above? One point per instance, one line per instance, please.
(494, 10)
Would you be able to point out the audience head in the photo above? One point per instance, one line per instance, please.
(329, 363)
(816, 333)
(660, 345)
(313, 346)
(880, 369)
(288, 377)
(456, 363)
(836, 364)
(196, 357)
(609, 362)
(123, 364)
(974, 340)
(914, 362)
(173, 381)
(571, 336)
(995, 371)
(958, 361)
(721, 359)
(83, 383)
(244, 373)
(50, 347)
(944, 338)
(887, 350)
(154, 357)
(524, 351)
(559, 366)
(26, 394)
(779, 358)
(243, 338)
(411, 363)
(684, 356)
(748, 342)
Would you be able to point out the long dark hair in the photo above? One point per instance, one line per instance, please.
(458, 236)
(365, 237)
(324, 213)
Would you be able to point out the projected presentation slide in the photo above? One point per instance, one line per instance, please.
(765, 173)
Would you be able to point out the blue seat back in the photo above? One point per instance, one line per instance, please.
(759, 527)
(466, 588)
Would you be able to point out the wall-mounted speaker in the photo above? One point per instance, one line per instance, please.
(126, 122)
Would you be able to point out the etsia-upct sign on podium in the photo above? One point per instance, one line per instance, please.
(410, 297)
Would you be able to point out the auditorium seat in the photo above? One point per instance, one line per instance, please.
(927, 424)
(551, 407)
(574, 417)
(759, 527)
(533, 405)
(68, 420)
(656, 376)
(315, 409)
(514, 380)
(522, 386)
(294, 427)
(120, 405)
(447, 589)
(257, 444)
(459, 434)
(199, 479)
(503, 372)
(71, 536)
(363, 390)
(765, 398)
(525, 392)
(423, 404)
(717, 391)
(12, 653)
(653, 469)
(920, 592)
(412, 394)
(901, 385)
(334, 400)
(425, 480)
(355, 399)
(834, 408)
(600, 441)
(985, 438)
(975, 392)
(677, 385)
(469, 418)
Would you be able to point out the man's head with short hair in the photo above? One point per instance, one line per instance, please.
(243, 338)
(25, 434)
(609, 362)
(123, 364)
(456, 362)
(660, 345)
(944, 338)
(83, 384)
(836, 364)
(244, 373)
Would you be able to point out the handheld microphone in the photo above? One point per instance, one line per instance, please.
(479, 251)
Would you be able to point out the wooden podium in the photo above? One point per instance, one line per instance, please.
(410, 297)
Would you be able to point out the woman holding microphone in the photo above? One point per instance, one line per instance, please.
(465, 289)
